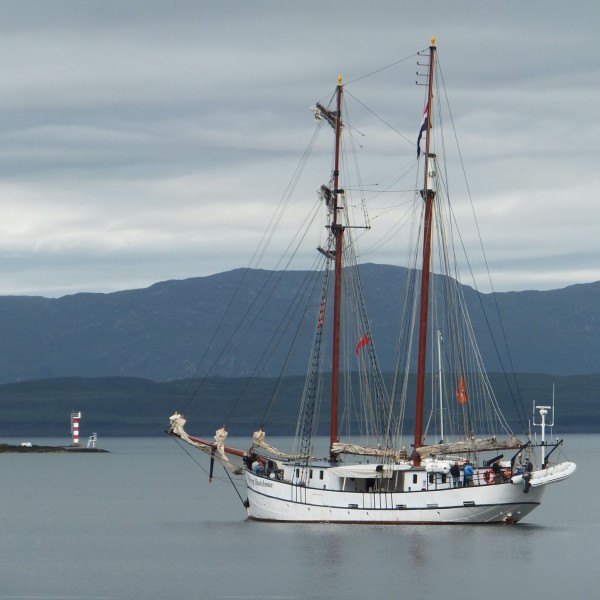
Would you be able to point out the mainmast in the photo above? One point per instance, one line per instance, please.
(338, 231)
(428, 195)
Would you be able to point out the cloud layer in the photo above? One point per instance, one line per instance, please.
(145, 141)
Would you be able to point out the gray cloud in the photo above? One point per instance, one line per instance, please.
(144, 141)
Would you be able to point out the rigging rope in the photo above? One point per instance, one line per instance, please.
(383, 68)
(185, 448)
(194, 386)
(518, 405)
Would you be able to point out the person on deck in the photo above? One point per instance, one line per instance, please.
(258, 467)
(468, 475)
(455, 472)
(498, 476)
(527, 477)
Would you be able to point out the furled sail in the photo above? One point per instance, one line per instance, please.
(258, 441)
(216, 450)
(471, 445)
(389, 453)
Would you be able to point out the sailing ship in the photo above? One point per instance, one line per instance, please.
(379, 476)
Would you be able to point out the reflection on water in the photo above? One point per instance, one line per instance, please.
(143, 522)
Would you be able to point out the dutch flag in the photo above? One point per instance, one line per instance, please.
(423, 128)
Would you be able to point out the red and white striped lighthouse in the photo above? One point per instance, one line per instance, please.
(75, 416)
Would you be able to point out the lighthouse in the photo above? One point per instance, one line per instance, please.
(75, 417)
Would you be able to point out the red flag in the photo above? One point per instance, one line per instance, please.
(461, 391)
(362, 342)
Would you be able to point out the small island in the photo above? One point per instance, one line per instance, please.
(28, 448)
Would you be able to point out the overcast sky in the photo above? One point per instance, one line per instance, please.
(142, 141)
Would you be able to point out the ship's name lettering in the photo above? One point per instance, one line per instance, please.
(262, 482)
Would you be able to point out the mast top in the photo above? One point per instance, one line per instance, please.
(433, 41)
(339, 80)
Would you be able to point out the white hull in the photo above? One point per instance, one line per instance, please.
(274, 500)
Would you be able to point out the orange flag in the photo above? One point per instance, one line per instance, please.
(362, 342)
(461, 391)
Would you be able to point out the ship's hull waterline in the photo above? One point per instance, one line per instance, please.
(271, 500)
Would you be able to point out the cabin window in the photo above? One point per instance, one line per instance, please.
(297, 472)
(415, 478)
(310, 474)
(431, 478)
(320, 474)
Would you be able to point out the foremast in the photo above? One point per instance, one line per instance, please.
(337, 229)
(428, 195)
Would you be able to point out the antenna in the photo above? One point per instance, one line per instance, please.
(543, 410)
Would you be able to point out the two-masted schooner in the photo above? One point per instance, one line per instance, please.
(460, 477)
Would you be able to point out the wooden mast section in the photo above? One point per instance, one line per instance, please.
(338, 232)
(428, 196)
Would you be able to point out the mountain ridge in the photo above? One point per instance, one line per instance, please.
(162, 332)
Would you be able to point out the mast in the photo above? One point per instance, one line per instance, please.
(428, 195)
(338, 232)
(439, 349)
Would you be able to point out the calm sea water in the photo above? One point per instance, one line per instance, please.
(143, 522)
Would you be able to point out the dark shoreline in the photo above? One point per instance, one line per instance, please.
(46, 449)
